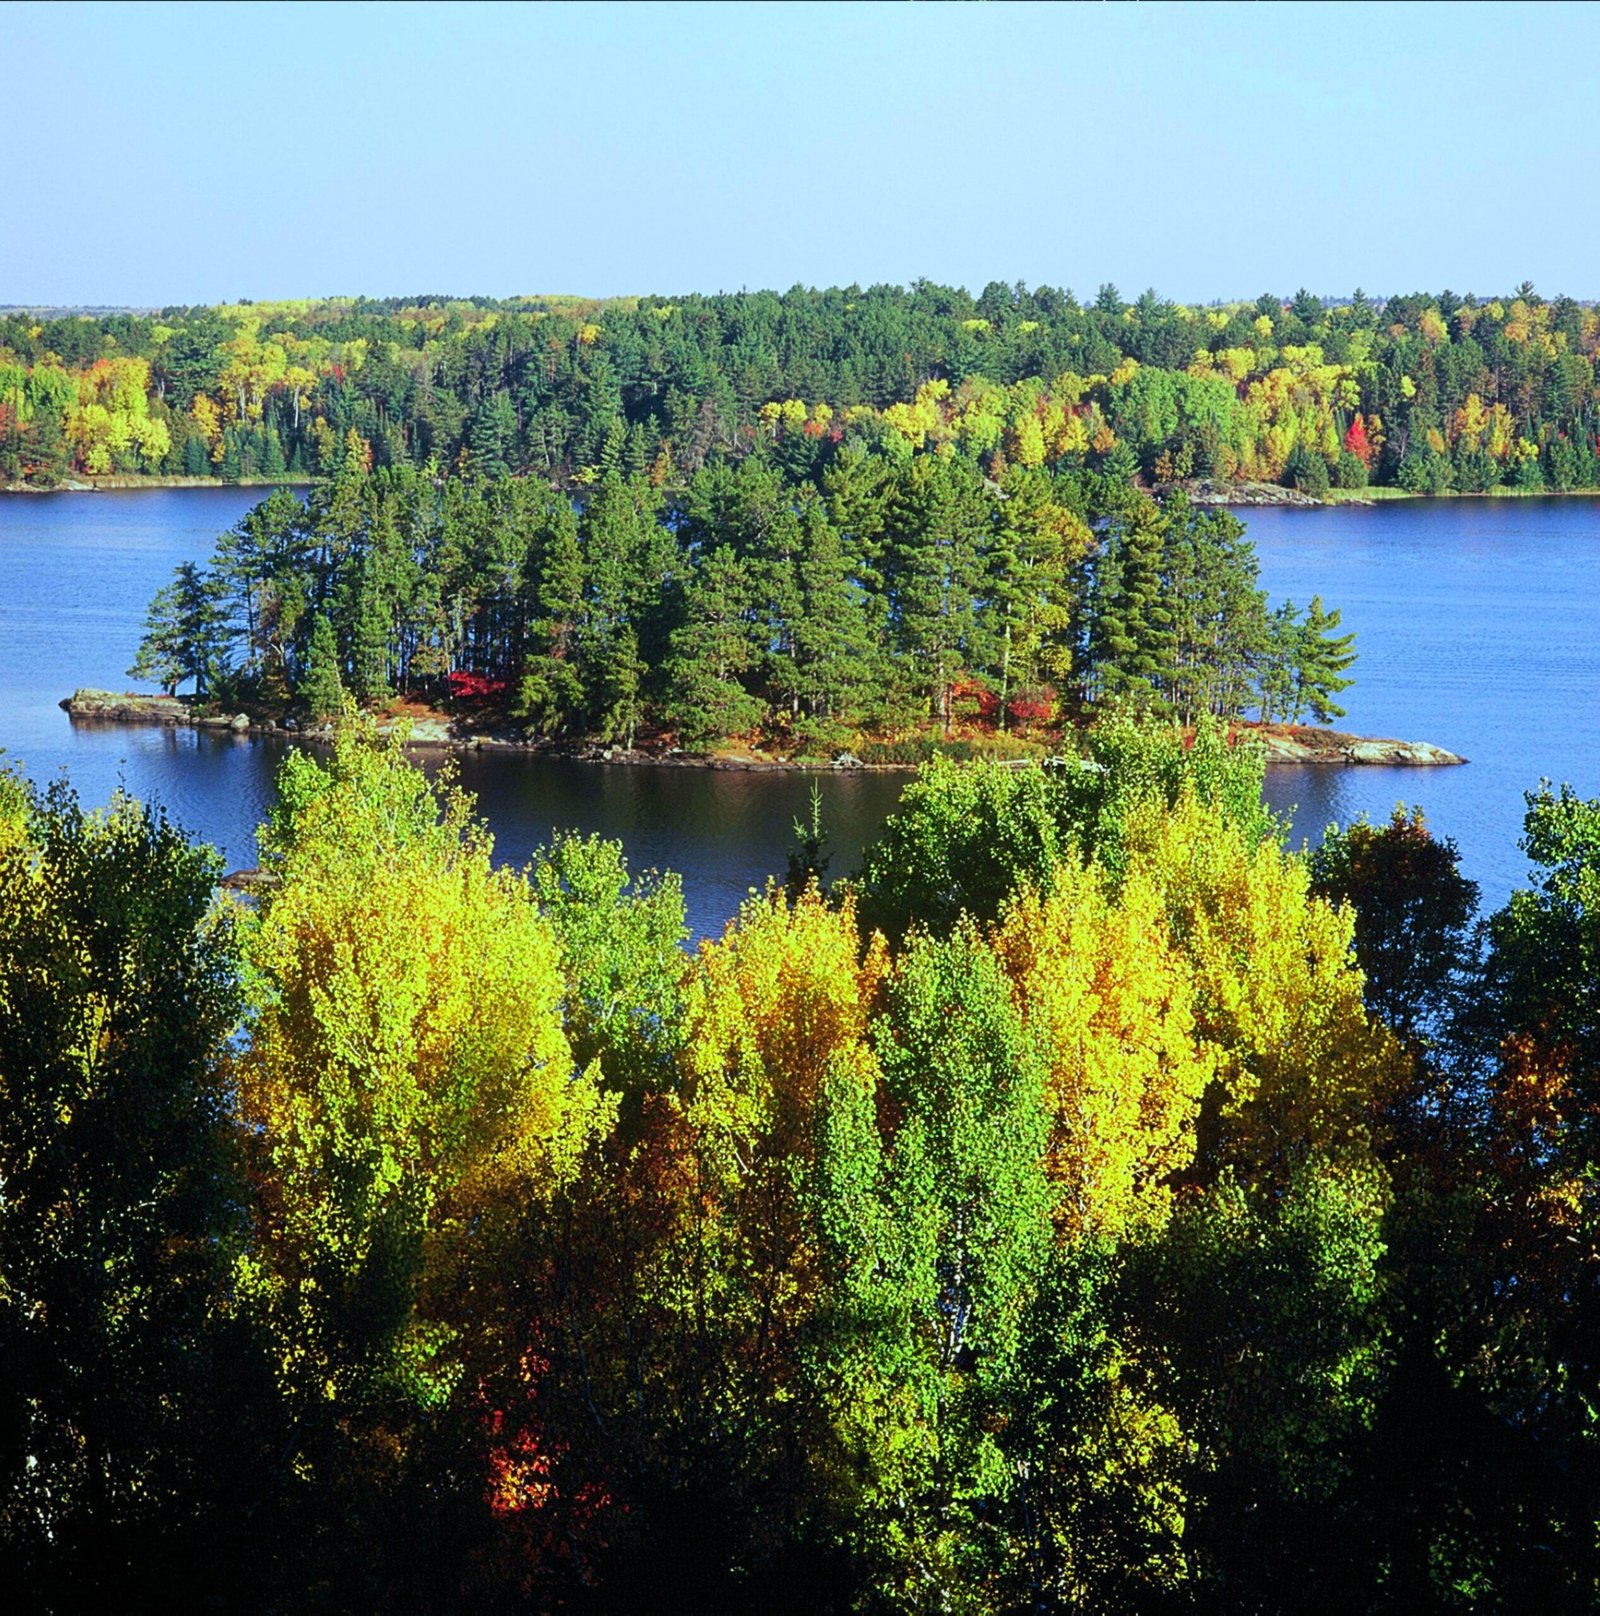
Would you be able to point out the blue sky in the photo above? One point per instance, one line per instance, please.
(171, 154)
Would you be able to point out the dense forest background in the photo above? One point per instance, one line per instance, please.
(1427, 393)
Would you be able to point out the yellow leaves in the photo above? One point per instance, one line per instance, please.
(588, 334)
(1025, 445)
(1112, 1002)
(789, 414)
(1070, 388)
(1072, 438)
(207, 419)
(1408, 388)
(1275, 987)
(1263, 327)
(923, 418)
(1125, 372)
(1238, 363)
(1432, 327)
(784, 993)
(1468, 424)
(408, 1023)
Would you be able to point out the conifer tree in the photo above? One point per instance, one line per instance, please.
(1324, 656)
(321, 687)
(1131, 638)
(183, 636)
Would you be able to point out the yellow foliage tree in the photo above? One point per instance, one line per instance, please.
(769, 1006)
(1102, 985)
(1276, 991)
(407, 1083)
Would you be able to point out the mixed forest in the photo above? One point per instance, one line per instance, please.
(1428, 393)
(1088, 1206)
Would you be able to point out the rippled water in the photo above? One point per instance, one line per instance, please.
(1478, 624)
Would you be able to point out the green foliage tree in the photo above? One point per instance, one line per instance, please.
(321, 688)
(1414, 913)
(131, 1410)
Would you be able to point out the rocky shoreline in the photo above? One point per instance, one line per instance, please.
(1205, 492)
(1283, 743)
(1306, 744)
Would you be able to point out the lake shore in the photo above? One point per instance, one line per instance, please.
(119, 482)
(1297, 744)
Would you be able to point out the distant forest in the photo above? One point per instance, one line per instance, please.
(1431, 393)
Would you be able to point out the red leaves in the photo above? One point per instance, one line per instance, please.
(1357, 443)
(475, 687)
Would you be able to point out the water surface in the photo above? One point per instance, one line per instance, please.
(1478, 627)
(1478, 624)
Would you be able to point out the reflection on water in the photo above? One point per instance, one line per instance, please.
(1478, 624)
(725, 832)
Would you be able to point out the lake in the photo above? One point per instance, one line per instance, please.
(1478, 624)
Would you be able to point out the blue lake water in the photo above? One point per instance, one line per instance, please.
(1477, 621)
(1478, 627)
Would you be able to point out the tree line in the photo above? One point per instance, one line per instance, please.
(1089, 1207)
(1431, 392)
(879, 597)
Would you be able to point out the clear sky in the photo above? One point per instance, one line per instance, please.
(201, 153)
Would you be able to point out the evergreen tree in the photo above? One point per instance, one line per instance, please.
(1032, 589)
(1323, 658)
(938, 525)
(321, 688)
(1218, 615)
(711, 651)
(183, 633)
(1131, 639)
(550, 691)
(835, 650)
(491, 439)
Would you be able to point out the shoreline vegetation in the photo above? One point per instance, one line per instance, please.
(424, 728)
(1198, 491)
(128, 482)
(881, 607)
(1426, 393)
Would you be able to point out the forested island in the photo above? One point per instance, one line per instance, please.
(875, 605)
(1420, 393)
(1089, 1206)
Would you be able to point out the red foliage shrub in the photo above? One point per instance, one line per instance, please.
(475, 687)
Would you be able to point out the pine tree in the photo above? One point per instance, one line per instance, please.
(1131, 638)
(1033, 563)
(183, 633)
(835, 650)
(321, 688)
(711, 652)
(1324, 656)
(491, 438)
(938, 529)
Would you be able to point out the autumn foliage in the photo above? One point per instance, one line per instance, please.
(1080, 1241)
